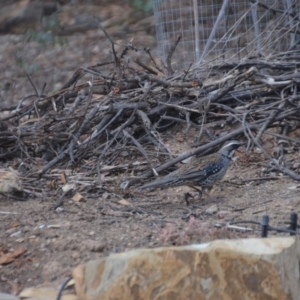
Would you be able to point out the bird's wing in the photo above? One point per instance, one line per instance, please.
(203, 161)
(195, 169)
(198, 175)
(197, 163)
(170, 180)
(165, 181)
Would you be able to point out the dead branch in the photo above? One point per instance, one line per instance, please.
(169, 57)
(135, 110)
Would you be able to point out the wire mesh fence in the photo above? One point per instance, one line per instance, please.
(226, 30)
(292, 229)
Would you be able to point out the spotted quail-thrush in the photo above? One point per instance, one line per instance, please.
(203, 172)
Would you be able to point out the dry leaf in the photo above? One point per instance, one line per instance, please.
(10, 256)
(78, 197)
(125, 202)
(13, 225)
(195, 83)
(63, 177)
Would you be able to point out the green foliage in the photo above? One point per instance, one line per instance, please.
(51, 22)
(42, 37)
(29, 68)
(46, 35)
(142, 5)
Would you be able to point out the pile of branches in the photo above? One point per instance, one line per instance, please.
(124, 104)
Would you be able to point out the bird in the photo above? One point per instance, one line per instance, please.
(201, 172)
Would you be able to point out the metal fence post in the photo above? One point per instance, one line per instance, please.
(294, 219)
(264, 226)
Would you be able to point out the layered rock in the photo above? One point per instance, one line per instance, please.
(227, 269)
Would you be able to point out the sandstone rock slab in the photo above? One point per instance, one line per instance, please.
(260, 269)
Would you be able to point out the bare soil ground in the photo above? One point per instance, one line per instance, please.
(57, 241)
(115, 221)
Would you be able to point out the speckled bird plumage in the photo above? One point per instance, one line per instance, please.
(203, 171)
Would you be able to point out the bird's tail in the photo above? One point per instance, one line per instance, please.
(163, 182)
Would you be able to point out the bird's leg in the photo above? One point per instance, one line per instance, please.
(186, 198)
(198, 190)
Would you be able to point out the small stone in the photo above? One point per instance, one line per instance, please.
(10, 230)
(26, 229)
(224, 214)
(75, 255)
(8, 297)
(59, 209)
(10, 182)
(93, 246)
(124, 153)
(212, 209)
(16, 234)
(105, 195)
(68, 187)
(99, 247)
(257, 150)
(293, 187)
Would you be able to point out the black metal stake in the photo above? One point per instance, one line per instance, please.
(264, 226)
(294, 220)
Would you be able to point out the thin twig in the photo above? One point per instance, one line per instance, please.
(169, 57)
